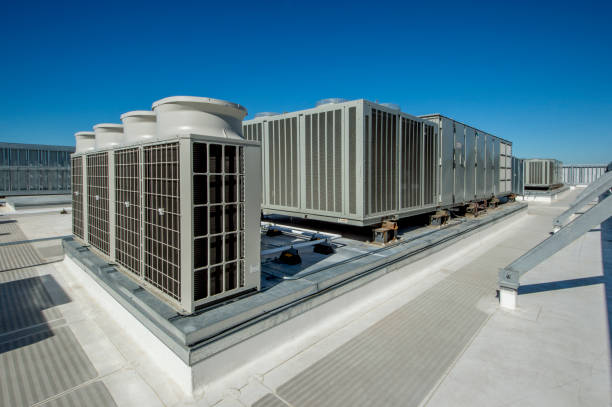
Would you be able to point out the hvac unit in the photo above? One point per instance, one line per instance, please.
(543, 173)
(184, 202)
(474, 165)
(353, 162)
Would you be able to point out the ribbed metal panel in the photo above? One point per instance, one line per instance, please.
(283, 163)
(161, 189)
(77, 196)
(430, 165)
(97, 202)
(127, 209)
(352, 164)
(383, 162)
(323, 161)
(412, 164)
(218, 219)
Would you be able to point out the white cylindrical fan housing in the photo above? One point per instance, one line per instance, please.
(139, 125)
(198, 115)
(108, 135)
(85, 141)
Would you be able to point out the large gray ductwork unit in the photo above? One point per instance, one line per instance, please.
(197, 115)
(85, 141)
(175, 204)
(139, 126)
(108, 135)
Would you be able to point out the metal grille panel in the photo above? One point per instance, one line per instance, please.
(161, 190)
(324, 163)
(430, 174)
(218, 219)
(382, 151)
(411, 169)
(127, 209)
(77, 197)
(97, 202)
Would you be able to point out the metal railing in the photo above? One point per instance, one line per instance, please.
(509, 276)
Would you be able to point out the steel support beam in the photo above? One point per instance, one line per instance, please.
(509, 276)
(601, 185)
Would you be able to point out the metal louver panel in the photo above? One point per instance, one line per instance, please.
(429, 165)
(127, 209)
(218, 219)
(161, 189)
(352, 141)
(97, 202)
(324, 163)
(383, 153)
(77, 197)
(411, 168)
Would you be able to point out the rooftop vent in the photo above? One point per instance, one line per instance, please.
(85, 141)
(108, 135)
(198, 115)
(329, 101)
(138, 125)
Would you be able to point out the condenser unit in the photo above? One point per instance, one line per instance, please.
(360, 162)
(543, 173)
(184, 202)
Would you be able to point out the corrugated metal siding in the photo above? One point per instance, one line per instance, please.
(97, 202)
(161, 190)
(77, 197)
(127, 209)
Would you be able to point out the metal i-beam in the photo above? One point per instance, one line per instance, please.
(509, 276)
(601, 185)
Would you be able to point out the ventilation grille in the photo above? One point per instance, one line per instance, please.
(411, 169)
(535, 173)
(430, 167)
(77, 196)
(218, 219)
(381, 163)
(352, 164)
(127, 209)
(97, 202)
(162, 218)
(283, 162)
(253, 132)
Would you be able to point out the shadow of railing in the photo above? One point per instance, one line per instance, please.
(22, 302)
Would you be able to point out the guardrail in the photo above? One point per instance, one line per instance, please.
(509, 276)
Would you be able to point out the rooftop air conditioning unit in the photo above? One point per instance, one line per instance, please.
(185, 202)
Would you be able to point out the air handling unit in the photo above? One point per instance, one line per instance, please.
(359, 162)
(475, 165)
(543, 174)
(185, 202)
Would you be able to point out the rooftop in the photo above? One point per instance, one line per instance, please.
(432, 335)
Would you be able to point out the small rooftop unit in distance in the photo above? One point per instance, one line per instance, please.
(172, 197)
(543, 173)
(359, 162)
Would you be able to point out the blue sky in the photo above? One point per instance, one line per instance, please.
(538, 75)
